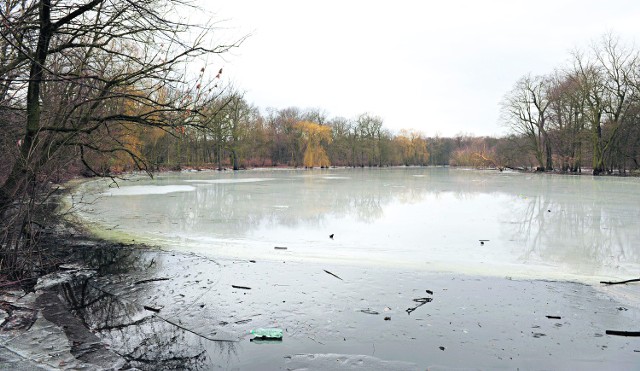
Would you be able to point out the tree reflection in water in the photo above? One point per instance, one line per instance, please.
(575, 225)
(111, 305)
(586, 236)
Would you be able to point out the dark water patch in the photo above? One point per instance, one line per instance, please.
(202, 322)
(107, 316)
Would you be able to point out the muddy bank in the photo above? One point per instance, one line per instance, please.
(149, 309)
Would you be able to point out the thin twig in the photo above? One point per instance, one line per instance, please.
(151, 280)
(333, 275)
(241, 287)
(197, 334)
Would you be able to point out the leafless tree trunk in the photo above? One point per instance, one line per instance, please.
(525, 110)
(82, 78)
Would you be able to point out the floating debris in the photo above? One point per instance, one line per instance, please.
(272, 333)
(368, 311)
(422, 302)
(620, 282)
(241, 287)
(151, 309)
(622, 333)
(326, 271)
(151, 280)
(263, 340)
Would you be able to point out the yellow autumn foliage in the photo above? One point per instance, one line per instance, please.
(314, 134)
(413, 147)
(132, 137)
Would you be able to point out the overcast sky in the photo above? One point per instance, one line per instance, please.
(439, 67)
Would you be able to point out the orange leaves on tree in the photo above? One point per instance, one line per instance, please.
(475, 153)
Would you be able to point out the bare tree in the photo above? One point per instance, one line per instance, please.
(82, 78)
(525, 110)
(87, 72)
(605, 78)
(369, 129)
(567, 120)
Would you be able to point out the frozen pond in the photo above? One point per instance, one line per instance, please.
(433, 219)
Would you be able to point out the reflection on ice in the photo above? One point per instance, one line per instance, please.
(427, 218)
(115, 310)
(147, 190)
(228, 181)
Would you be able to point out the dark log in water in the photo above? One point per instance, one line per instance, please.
(620, 282)
(623, 333)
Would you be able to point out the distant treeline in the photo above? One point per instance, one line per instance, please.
(239, 137)
(585, 115)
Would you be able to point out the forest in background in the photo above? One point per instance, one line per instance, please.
(584, 115)
(103, 87)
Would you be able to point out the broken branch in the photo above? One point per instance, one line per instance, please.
(421, 301)
(620, 282)
(623, 333)
(241, 287)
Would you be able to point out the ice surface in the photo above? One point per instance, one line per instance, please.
(147, 190)
(531, 225)
(228, 181)
(471, 323)
(336, 362)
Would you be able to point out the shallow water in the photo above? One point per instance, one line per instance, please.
(535, 225)
(372, 318)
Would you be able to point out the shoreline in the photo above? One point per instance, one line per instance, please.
(133, 301)
(486, 322)
(532, 270)
(532, 170)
